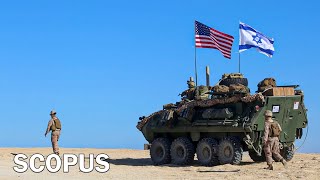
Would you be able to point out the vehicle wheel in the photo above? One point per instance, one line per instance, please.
(287, 153)
(229, 81)
(230, 151)
(160, 151)
(207, 150)
(256, 158)
(182, 151)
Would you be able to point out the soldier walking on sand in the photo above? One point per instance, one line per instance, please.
(272, 130)
(54, 126)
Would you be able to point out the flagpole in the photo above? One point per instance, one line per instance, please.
(195, 58)
(239, 62)
(239, 49)
(195, 64)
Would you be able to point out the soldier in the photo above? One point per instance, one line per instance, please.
(189, 94)
(272, 131)
(54, 126)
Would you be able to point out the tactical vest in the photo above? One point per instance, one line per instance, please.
(56, 124)
(191, 93)
(274, 129)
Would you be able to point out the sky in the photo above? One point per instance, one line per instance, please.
(103, 64)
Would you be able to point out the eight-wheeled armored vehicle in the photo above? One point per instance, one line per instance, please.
(223, 121)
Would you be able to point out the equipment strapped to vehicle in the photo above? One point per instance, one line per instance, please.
(221, 89)
(233, 78)
(266, 83)
(238, 88)
(202, 93)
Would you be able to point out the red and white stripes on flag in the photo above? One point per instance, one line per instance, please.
(207, 37)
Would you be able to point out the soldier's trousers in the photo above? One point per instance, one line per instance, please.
(271, 148)
(54, 140)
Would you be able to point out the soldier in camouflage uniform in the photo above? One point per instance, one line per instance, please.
(190, 93)
(54, 126)
(271, 142)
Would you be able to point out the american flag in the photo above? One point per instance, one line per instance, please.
(207, 37)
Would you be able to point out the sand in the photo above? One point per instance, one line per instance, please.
(136, 164)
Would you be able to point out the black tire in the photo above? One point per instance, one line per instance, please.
(230, 151)
(287, 153)
(182, 151)
(256, 158)
(160, 151)
(229, 81)
(207, 150)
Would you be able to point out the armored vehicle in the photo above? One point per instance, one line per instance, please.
(223, 121)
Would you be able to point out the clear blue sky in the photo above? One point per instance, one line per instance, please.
(102, 64)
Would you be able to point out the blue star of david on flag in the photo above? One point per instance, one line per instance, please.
(257, 38)
(251, 38)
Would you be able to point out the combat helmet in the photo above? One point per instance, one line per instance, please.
(53, 112)
(268, 113)
(191, 83)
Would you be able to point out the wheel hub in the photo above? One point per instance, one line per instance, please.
(159, 152)
(227, 152)
(206, 152)
(180, 152)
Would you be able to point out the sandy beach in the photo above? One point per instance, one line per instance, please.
(136, 164)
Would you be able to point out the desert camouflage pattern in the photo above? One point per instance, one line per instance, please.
(232, 75)
(189, 94)
(224, 100)
(238, 88)
(202, 93)
(220, 89)
(54, 140)
(271, 145)
(146, 119)
(55, 133)
(186, 109)
(266, 84)
(169, 106)
(271, 148)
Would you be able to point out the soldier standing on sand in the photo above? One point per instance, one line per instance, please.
(54, 126)
(189, 94)
(272, 131)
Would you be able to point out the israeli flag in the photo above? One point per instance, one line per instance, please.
(250, 37)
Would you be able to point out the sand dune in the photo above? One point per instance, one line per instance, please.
(136, 164)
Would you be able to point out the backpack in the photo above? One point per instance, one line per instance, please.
(56, 124)
(275, 129)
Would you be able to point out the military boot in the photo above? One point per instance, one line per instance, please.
(270, 167)
(284, 163)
